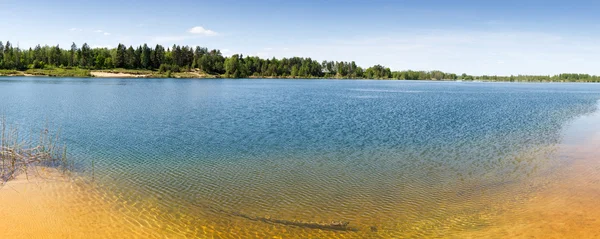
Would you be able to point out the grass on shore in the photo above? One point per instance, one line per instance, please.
(11, 73)
(77, 72)
(22, 155)
(59, 72)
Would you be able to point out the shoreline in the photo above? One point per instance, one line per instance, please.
(101, 74)
(196, 74)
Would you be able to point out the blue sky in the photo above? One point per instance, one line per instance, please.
(477, 37)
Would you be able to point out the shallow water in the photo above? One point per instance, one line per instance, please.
(396, 159)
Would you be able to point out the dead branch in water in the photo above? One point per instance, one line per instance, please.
(334, 225)
(21, 156)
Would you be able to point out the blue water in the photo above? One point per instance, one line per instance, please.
(372, 152)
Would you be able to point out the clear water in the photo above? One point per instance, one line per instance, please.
(393, 158)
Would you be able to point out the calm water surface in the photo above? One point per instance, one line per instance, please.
(393, 158)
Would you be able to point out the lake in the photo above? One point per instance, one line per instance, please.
(235, 158)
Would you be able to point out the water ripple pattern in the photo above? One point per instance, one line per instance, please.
(396, 159)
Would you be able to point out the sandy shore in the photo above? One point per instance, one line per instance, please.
(115, 75)
(568, 208)
(54, 206)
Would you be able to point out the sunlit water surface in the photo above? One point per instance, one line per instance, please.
(395, 159)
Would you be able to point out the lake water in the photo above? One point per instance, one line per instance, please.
(395, 159)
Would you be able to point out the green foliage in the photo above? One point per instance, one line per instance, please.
(108, 63)
(72, 60)
(378, 72)
(235, 67)
(38, 64)
(119, 57)
(85, 56)
(168, 68)
(130, 58)
(100, 59)
(202, 62)
(159, 56)
(145, 57)
(163, 68)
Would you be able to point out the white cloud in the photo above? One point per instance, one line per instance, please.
(98, 31)
(107, 34)
(202, 31)
(74, 29)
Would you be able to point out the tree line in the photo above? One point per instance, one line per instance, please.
(184, 58)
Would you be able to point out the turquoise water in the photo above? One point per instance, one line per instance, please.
(380, 154)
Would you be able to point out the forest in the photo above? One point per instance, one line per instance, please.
(212, 62)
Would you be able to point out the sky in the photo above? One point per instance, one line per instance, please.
(476, 37)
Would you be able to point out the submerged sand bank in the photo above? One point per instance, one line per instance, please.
(54, 206)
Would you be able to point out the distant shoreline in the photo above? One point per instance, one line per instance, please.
(198, 74)
(200, 62)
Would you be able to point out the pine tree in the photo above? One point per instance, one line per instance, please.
(130, 58)
(120, 56)
(145, 57)
(72, 55)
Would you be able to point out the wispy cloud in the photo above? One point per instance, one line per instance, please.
(74, 29)
(202, 31)
(192, 33)
(103, 32)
